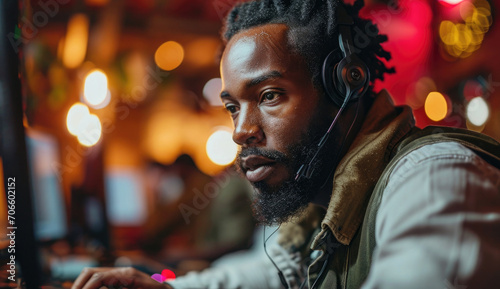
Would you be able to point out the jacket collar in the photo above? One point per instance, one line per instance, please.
(359, 170)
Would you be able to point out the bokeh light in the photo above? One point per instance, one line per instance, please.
(104, 103)
(89, 130)
(75, 44)
(95, 88)
(460, 40)
(436, 106)
(76, 113)
(202, 51)
(451, 2)
(169, 55)
(478, 111)
(211, 91)
(221, 148)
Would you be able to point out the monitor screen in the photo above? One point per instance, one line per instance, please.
(124, 194)
(48, 198)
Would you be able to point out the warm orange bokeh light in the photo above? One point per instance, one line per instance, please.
(75, 44)
(169, 55)
(436, 106)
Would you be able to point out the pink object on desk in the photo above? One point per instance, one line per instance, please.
(165, 276)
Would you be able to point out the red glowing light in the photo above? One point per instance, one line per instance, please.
(168, 274)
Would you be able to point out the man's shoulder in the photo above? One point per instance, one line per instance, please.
(447, 159)
(435, 151)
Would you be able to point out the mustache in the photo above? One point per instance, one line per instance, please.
(270, 154)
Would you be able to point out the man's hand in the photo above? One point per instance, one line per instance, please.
(94, 278)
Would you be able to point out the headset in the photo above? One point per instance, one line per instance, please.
(345, 78)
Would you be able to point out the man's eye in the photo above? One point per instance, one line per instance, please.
(269, 96)
(231, 108)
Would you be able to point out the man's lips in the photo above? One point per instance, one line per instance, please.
(257, 167)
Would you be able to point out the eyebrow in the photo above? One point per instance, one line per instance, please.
(255, 81)
(271, 75)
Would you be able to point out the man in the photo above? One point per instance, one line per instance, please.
(371, 203)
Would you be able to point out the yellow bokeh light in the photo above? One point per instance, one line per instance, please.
(448, 32)
(462, 39)
(169, 55)
(76, 113)
(89, 130)
(436, 106)
(95, 88)
(221, 148)
(75, 44)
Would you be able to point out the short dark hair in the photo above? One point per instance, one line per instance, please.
(313, 27)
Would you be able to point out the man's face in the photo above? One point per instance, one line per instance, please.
(278, 117)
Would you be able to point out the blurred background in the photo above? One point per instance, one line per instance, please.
(129, 146)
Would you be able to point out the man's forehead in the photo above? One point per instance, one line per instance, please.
(270, 30)
(264, 39)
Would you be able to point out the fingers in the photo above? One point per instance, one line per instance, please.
(94, 278)
(84, 276)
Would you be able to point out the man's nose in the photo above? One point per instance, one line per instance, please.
(248, 130)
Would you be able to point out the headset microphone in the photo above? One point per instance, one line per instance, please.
(307, 170)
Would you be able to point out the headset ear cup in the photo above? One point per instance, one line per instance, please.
(329, 77)
(353, 78)
(339, 82)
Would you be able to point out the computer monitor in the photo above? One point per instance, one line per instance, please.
(49, 206)
(126, 205)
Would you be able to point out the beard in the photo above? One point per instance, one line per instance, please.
(282, 203)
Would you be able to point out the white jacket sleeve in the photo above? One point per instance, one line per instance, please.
(438, 226)
(245, 270)
(259, 274)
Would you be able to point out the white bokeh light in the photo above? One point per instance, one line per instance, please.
(95, 89)
(76, 113)
(211, 91)
(478, 111)
(89, 130)
(221, 148)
